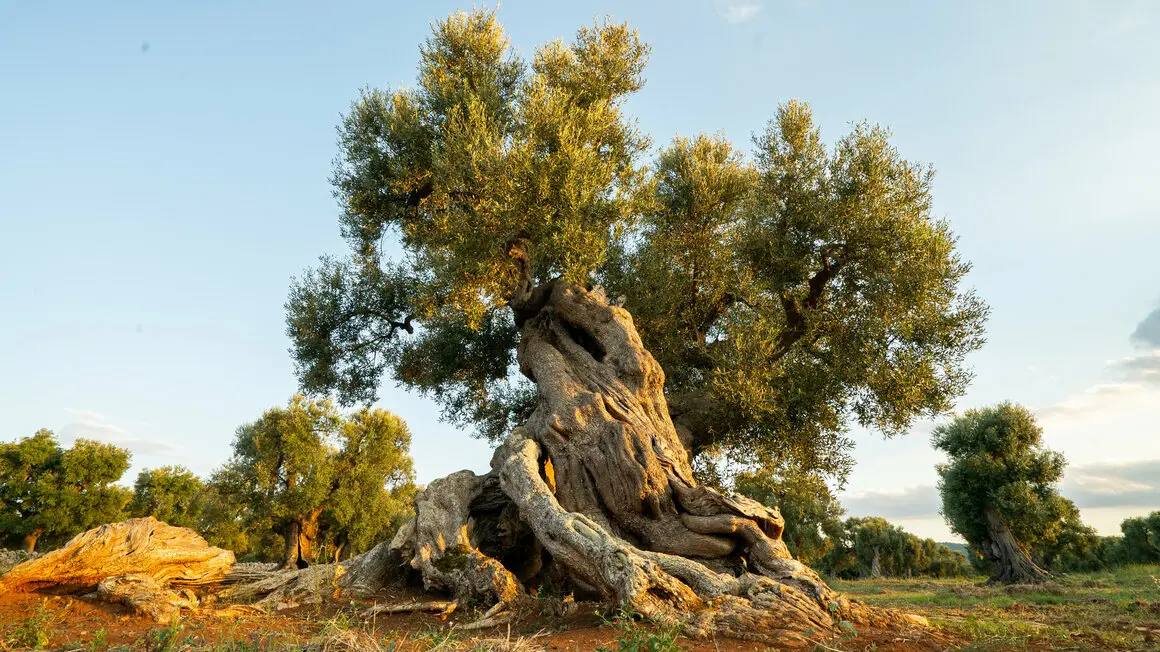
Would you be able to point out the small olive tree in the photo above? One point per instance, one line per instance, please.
(999, 488)
(172, 494)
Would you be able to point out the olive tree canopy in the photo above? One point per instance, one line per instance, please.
(502, 215)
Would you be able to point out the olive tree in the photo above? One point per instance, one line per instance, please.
(999, 488)
(172, 494)
(297, 464)
(53, 492)
(784, 294)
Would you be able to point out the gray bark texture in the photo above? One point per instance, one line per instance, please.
(1011, 562)
(595, 495)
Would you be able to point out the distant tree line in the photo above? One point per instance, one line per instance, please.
(852, 548)
(304, 483)
(1000, 493)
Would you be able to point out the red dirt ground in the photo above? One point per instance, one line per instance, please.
(74, 623)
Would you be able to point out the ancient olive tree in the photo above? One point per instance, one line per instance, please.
(999, 488)
(172, 494)
(813, 516)
(821, 287)
(50, 492)
(297, 464)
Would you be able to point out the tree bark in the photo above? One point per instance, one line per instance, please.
(293, 537)
(307, 535)
(595, 495)
(29, 541)
(876, 565)
(1010, 559)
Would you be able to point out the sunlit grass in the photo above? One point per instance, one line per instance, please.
(1115, 609)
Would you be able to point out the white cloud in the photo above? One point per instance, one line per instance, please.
(1096, 398)
(96, 426)
(1142, 369)
(87, 414)
(737, 12)
(1114, 484)
(916, 502)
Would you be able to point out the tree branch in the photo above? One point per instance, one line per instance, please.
(796, 315)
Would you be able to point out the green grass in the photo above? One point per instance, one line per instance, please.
(633, 636)
(1117, 609)
(31, 632)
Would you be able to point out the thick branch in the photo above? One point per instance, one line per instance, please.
(797, 314)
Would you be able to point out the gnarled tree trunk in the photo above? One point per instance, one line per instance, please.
(300, 537)
(1011, 561)
(28, 544)
(595, 494)
(293, 535)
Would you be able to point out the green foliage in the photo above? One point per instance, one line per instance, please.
(375, 449)
(172, 494)
(1075, 548)
(33, 632)
(743, 277)
(812, 514)
(1140, 543)
(486, 148)
(997, 462)
(632, 636)
(861, 540)
(49, 493)
(231, 518)
(308, 465)
(744, 280)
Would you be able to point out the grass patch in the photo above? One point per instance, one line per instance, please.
(634, 636)
(1116, 609)
(31, 632)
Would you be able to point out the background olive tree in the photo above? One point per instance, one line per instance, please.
(172, 494)
(999, 488)
(52, 493)
(308, 475)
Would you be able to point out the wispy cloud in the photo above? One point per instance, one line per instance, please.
(1128, 484)
(1093, 399)
(920, 501)
(737, 12)
(96, 426)
(86, 414)
(1133, 378)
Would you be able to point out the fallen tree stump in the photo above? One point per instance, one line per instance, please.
(171, 556)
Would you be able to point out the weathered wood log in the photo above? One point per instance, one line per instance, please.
(172, 556)
(146, 596)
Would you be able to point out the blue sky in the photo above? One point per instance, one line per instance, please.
(163, 174)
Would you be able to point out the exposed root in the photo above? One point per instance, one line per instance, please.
(146, 596)
(409, 607)
(438, 543)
